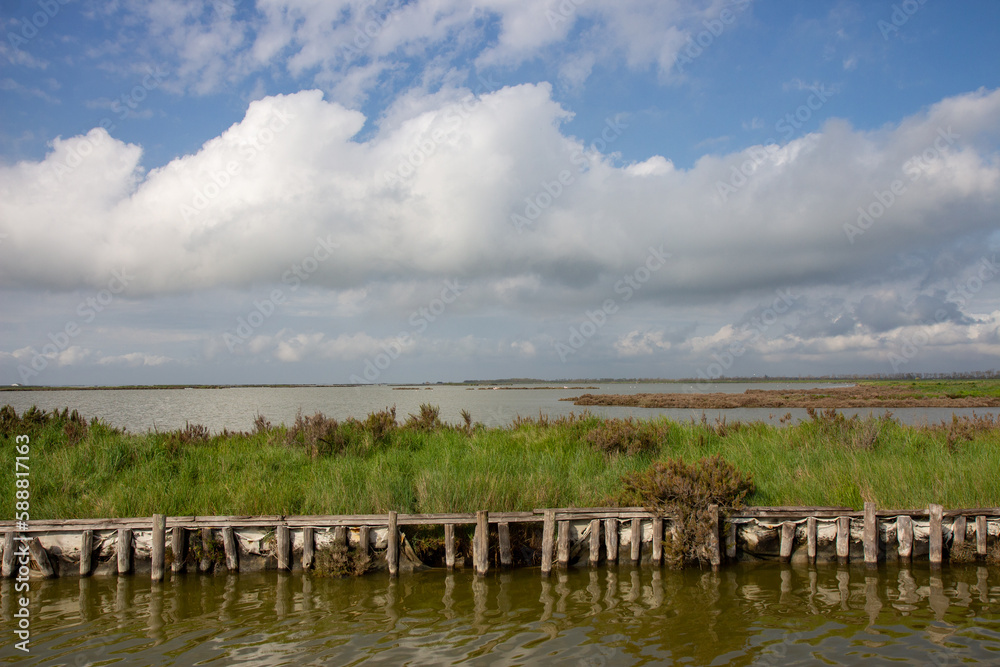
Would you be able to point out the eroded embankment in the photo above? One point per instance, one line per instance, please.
(861, 396)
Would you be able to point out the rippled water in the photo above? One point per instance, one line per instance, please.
(761, 614)
(234, 408)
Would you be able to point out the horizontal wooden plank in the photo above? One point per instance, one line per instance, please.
(586, 510)
(455, 518)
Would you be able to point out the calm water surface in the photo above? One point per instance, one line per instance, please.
(760, 614)
(167, 409)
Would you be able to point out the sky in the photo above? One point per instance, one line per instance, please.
(358, 191)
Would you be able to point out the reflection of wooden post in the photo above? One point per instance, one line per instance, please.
(392, 544)
(232, 553)
(548, 528)
(449, 545)
(86, 552)
(283, 546)
(843, 538)
(871, 535)
(811, 538)
(503, 537)
(562, 544)
(178, 545)
(158, 550)
(308, 547)
(481, 543)
(787, 541)
(936, 554)
(904, 533)
(958, 532)
(41, 558)
(636, 540)
(981, 535)
(611, 539)
(124, 550)
(657, 540)
(595, 542)
(714, 553)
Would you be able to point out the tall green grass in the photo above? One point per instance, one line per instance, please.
(96, 471)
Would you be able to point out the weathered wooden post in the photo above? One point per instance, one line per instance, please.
(392, 544)
(481, 543)
(503, 535)
(611, 539)
(364, 539)
(636, 540)
(562, 548)
(731, 540)
(936, 554)
(158, 551)
(958, 532)
(207, 549)
(811, 539)
(904, 534)
(657, 557)
(178, 545)
(843, 538)
(283, 546)
(787, 541)
(41, 558)
(308, 547)
(548, 528)
(230, 547)
(981, 536)
(8, 555)
(714, 552)
(871, 535)
(340, 536)
(449, 545)
(595, 542)
(86, 552)
(124, 550)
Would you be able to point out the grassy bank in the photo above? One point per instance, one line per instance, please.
(318, 466)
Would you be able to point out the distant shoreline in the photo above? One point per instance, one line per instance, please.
(528, 381)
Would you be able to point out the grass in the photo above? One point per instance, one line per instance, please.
(82, 469)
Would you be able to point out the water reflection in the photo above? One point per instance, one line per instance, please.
(761, 614)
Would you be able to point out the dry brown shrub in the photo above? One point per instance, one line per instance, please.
(628, 436)
(428, 420)
(674, 488)
(318, 434)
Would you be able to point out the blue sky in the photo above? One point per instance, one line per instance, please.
(239, 191)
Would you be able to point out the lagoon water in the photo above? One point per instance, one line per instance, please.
(751, 614)
(234, 408)
(745, 614)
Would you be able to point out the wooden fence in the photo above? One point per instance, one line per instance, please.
(796, 530)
